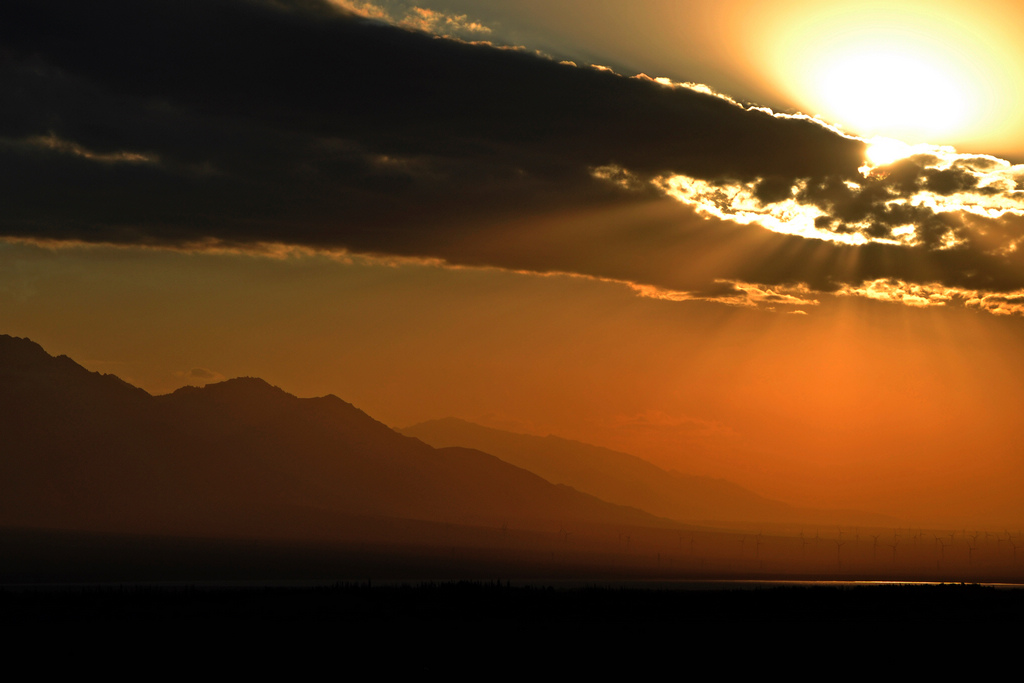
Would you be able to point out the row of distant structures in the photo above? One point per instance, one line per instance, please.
(903, 554)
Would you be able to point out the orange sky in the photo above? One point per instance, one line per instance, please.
(858, 403)
(757, 355)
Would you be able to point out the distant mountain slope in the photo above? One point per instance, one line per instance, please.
(620, 477)
(88, 451)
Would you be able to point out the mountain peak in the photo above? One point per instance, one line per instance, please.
(24, 361)
(240, 390)
(233, 384)
(20, 352)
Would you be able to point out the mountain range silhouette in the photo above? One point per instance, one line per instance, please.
(88, 451)
(628, 480)
(608, 474)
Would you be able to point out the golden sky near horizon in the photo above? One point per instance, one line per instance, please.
(829, 337)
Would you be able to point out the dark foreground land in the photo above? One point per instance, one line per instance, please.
(473, 628)
(497, 606)
(100, 590)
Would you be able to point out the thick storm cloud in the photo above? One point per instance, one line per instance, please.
(251, 121)
(252, 112)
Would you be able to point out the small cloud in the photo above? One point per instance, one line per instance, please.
(907, 293)
(200, 376)
(447, 25)
(417, 19)
(736, 293)
(54, 143)
(936, 294)
(619, 176)
(364, 9)
(657, 420)
(1010, 303)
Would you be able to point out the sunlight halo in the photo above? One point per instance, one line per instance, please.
(936, 72)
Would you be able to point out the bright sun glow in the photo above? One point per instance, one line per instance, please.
(901, 92)
(882, 151)
(912, 70)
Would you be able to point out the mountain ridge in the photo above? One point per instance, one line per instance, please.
(90, 451)
(626, 479)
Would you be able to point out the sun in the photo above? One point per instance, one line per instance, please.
(921, 72)
(888, 89)
(882, 151)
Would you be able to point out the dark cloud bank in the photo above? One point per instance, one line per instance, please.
(174, 122)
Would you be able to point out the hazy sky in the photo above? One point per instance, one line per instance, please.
(567, 234)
